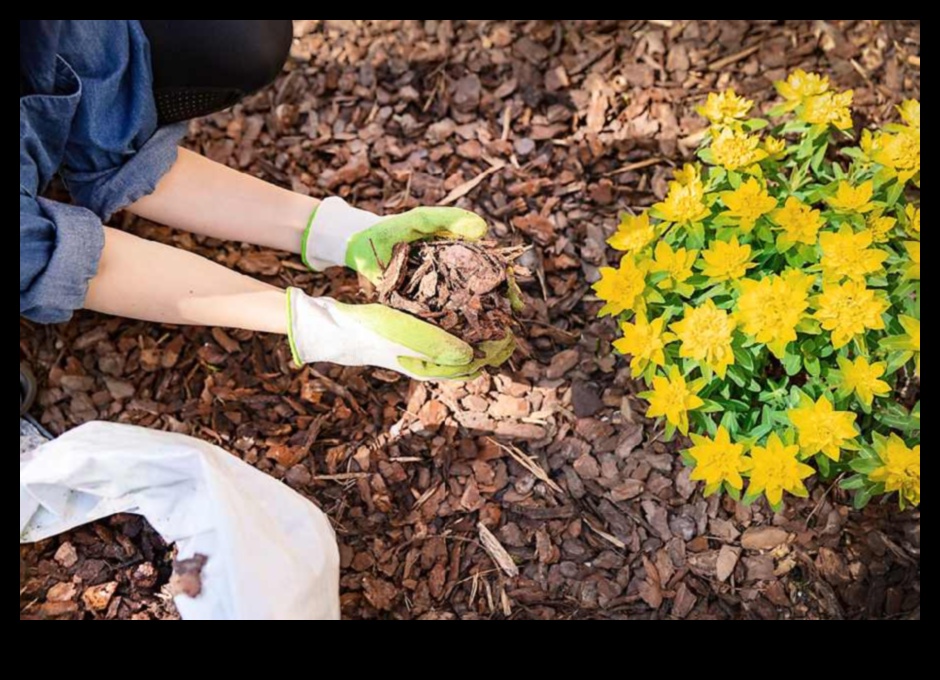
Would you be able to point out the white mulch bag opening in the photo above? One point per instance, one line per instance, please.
(271, 552)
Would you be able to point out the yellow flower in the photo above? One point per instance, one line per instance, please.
(644, 341)
(775, 469)
(849, 309)
(880, 226)
(770, 309)
(748, 202)
(800, 223)
(677, 263)
(912, 270)
(852, 199)
(727, 260)
(899, 153)
(673, 398)
(847, 255)
(736, 150)
(910, 112)
(620, 288)
(717, 460)
(912, 330)
(822, 429)
(828, 108)
(688, 175)
(725, 108)
(706, 333)
(685, 201)
(911, 338)
(634, 232)
(801, 85)
(861, 377)
(913, 218)
(775, 147)
(900, 467)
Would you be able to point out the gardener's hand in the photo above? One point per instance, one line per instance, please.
(339, 234)
(322, 329)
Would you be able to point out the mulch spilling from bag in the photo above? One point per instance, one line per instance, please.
(457, 285)
(118, 568)
(540, 491)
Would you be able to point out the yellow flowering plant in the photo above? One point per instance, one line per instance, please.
(771, 300)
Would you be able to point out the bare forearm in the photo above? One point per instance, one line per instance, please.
(151, 281)
(205, 197)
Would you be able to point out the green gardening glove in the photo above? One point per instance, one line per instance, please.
(322, 329)
(339, 234)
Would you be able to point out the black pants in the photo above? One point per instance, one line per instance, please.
(202, 66)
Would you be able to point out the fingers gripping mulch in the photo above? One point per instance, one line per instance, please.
(541, 491)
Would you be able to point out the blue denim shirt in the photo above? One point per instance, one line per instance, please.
(87, 112)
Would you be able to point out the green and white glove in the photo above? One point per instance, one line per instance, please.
(340, 235)
(322, 329)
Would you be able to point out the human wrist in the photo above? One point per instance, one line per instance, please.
(330, 225)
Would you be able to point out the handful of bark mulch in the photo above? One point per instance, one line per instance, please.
(465, 287)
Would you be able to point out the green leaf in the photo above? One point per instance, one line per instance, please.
(819, 157)
(760, 431)
(894, 193)
(792, 363)
(749, 498)
(853, 482)
(861, 498)
(730, 422)
(864, 466)
(737, 376)
(812, 366)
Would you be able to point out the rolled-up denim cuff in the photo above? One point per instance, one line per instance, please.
(63, 285)
(106, 191)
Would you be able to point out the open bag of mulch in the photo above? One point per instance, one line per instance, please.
(265, 551)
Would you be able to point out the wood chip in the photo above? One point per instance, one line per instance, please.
(495, 550)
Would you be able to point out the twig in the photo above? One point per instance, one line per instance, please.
(823, 498)
(377, 258)
(342, 476)
(737, 56)
(610, 538)
(528, 464)
(470, 185)
(634, 166)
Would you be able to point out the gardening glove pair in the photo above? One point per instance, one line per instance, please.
(322, 329)
(340, 235)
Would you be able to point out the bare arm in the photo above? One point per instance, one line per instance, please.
(205, 197)
(151, 281)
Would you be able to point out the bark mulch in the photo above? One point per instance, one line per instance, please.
(540, 491)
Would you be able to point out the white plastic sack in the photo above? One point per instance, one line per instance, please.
(271, 552)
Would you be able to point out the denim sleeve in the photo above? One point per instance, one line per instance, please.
(115, 153)
(60, 246)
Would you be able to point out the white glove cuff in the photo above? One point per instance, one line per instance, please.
(331, 226)
(320, 331)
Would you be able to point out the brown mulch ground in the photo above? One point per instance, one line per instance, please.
(540, 492)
